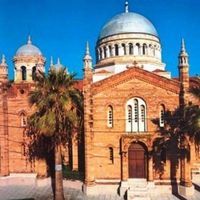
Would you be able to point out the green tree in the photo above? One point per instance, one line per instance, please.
(180, 130)
(58, 115)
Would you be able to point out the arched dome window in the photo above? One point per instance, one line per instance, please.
(104, 51)
(124, 49)
(33, 73)
(136, 117)
(130, 49)
(110, 51)
(24, 73)
(144, 49)
(116, 50)
(110, 117)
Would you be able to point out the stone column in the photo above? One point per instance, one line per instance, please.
(121, 53)
(113, 50)
(185, 188)
(127, 49)
(107, 52)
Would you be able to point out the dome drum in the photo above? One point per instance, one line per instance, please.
(128, 48)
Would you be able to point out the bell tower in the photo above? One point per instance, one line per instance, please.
(28, 61)
(3, 70)
(183, 67)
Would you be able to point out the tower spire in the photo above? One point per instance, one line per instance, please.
(183, 45)
(126, 7)
(87, 58)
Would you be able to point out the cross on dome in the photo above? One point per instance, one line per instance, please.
(29, 40)
(126, 7)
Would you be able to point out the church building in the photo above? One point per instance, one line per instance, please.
(126, 90)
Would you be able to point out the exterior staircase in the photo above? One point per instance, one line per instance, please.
(138, 189)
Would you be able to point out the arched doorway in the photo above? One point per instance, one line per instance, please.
(137, 161)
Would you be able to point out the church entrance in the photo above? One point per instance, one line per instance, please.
(137, 161)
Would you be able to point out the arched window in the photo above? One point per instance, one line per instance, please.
(130, 49)
(104, 51)
(116, 50)
(136, 110)
(124, 49)
(136, 115)
(33, 73)
(161, 116)
(23, 69)
(111, 155)
(23, 120)
(100, 54)
(110, 51)
(130, 118)
(110, 117)
(144, 49)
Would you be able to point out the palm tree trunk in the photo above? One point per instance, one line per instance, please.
(59, 194)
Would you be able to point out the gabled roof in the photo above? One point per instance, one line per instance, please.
(140, 74)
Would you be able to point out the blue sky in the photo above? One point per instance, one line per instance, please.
(61, 27)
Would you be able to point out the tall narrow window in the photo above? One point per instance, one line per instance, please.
(110, 117)
(130, 120)
(33, 73)
(110, 51)
(162, 115)
(105, 53)
(142, 113)
(23, 69)
(111, 155)
(144, 49)
(130, 49)
(124, 49)
(136, 110)
(116, 50)
(23, 120)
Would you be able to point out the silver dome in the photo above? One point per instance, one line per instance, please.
(128, 22)
(28, 49)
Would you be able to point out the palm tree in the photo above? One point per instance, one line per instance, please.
(58, 113)
(195, 91)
